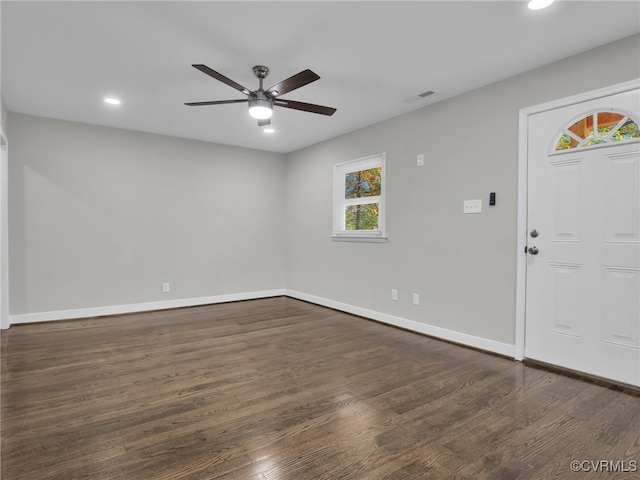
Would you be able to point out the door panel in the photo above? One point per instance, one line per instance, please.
(622, 216)
(565, 298)
(583, 284)
(565, 207)
(621, 307)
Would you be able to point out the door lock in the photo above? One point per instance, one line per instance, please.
(534, 233)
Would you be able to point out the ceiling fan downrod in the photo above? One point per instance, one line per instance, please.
(260, 104)
(261, 72)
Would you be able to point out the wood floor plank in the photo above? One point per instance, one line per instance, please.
(281, 389)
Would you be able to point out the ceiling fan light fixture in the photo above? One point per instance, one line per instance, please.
(260, 109)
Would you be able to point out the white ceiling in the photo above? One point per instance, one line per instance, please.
(59, 59)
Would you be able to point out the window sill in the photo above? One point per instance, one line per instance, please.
(359, 238)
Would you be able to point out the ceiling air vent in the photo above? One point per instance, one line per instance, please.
(426, 94)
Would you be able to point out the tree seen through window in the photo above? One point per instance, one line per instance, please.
(362, 184)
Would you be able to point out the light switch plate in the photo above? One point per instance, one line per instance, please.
(472, 206)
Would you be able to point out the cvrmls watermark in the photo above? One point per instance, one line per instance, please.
(613, 466)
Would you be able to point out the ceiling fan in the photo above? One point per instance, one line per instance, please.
(261, 102)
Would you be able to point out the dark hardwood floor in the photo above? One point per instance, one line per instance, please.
(280, 389)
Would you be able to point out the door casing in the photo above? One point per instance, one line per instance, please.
(4, 231)
(523, 194)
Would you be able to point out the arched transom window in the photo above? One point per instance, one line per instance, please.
(598, 128)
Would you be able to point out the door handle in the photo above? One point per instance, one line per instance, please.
(533, 250)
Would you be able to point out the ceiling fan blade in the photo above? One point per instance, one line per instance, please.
(216, 102)
(307, 107)
(298, 80)
(222, 78)
(263, 122)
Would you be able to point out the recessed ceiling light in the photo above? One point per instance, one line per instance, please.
(539, 4)
(268, 130)
(112, 101)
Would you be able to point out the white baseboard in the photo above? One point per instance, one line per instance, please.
(438, 332)
(139, 307)
(426, 329)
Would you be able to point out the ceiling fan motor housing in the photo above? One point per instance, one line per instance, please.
(260, 99)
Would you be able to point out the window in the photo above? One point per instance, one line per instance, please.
(358, 206)
(603, 127)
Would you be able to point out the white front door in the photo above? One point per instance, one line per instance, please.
(583, 240)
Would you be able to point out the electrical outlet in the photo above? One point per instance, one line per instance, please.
(166, 287)
(420, 160)
(394, 294)
(416, 299)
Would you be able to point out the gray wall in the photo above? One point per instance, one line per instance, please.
(102, 216)
(463, 266)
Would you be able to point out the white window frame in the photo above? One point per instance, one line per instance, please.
(340, 202)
